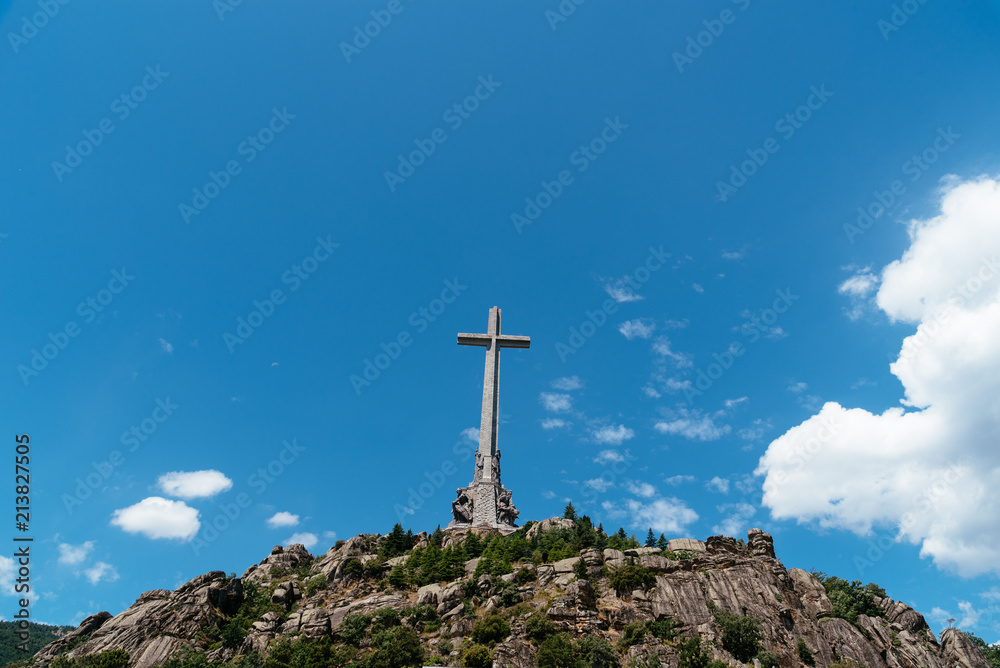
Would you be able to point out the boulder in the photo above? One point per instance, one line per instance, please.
(688, 544)
(515, 652)
(429, 595)
(546, 525)
(760, 543)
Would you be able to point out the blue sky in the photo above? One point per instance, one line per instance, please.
(687, 180)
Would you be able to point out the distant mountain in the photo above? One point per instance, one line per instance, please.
(40, 635)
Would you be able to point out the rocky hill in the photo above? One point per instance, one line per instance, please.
(384, 601)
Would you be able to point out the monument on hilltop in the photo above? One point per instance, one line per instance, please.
(485, 502)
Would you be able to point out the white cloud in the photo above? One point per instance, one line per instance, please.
(692, 424)
(661, 346)
(611, 435)
(651, 392)
(553, 423)
(599, 484)
(735, 255)
(608, 457)
(548, 494)
(931, 472)
(641, 328)
(7, 572)
(282, 519)
(729, 403)
(156, 517)
(620, 291)
(307, 539)
(858, 288)
(72, 555)
(567, 383)
(167, 347)
(194, 484)
(755, 431)
(472, 434)
(675, 324)
(640, 489)
(99, 572)
(860, 284)
(698, 288)
(668, 515)
(330, 535)
(557, 403)
(735, 523)
(797, 388)
(717, 484)
(679, 479)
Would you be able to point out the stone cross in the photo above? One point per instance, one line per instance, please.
(488, 488)
(493, 341)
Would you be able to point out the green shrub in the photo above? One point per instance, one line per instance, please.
(538, 627)
(525, 575)
(445, 647)
(593, 652)
(632, 634)
(664, 629)
(629, 577)
(385, 618)
(768, 659)
(396, 647)
(805, 653)
(741, 634)
(490, 630)
(352, 629)
(691, 655)
(556, 652)
(850, 599)
(507, 594)
(580, 569)
(353, 568)
(477, 656)
(314, 584)
(397, 543)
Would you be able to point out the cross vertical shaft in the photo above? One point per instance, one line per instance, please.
(488, 488)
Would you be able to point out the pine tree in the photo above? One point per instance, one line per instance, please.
(662, 543)
(650, 538)
(569, 512)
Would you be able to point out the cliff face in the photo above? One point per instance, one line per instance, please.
(791, 606)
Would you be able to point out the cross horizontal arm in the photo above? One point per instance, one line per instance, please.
(474, 339)
(508, 341)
